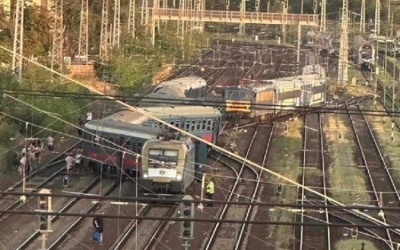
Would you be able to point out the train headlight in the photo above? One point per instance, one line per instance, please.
(145, 175)
(179, 177)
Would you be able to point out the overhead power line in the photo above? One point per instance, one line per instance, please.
(164, 200)
(225, 151)
(134, 217)
(193, 102)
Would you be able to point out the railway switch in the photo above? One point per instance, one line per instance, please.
(45, 206)
(187, 212)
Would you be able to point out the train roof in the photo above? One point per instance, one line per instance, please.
(133, 117)
(130, 130)
(172, 89)
(287, 82)
(186, 83)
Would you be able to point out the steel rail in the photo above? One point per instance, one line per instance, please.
(36, 234)
(35, 189)
(64, 235)
(249, 210)
(321, 138)
(123, 237)
(159, 229)
(371, 181)
(51, 162)
(163, 224)
(216, 227)
(380, 155)
(349, 221)
(18, 203)
(322, 166)
(301, 240)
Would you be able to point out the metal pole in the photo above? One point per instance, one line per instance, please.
(44, 240)
(298, 42)
(394, 77)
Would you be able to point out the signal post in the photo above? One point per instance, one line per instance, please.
(45, 205)
(187, 226)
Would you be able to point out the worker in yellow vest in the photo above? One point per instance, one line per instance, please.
(210, 191)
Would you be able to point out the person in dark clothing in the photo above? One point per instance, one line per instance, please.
(80, 124)
(99, 227)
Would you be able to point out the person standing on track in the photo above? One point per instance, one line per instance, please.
(89, 116)
(210, 191)
(98, 228)
(69, 162)
(80, 125)
(50, 143)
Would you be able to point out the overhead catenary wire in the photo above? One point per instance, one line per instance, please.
(119, 150)
(194, 102)
(170, 200)
(215, 175)
(178, 219)
(238, 157)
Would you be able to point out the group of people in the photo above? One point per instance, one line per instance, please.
(73, 160)
(30, 153)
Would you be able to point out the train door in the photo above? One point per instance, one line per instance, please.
(306, 94)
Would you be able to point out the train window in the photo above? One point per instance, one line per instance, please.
(121, 141)
(209, 125)
(187, 125)
(128, 144)
(133, 146)
(203, 127)
(150, 123)
(212, 125)
(198, 124)
(139, 148)
(193, 127)
(177, 123)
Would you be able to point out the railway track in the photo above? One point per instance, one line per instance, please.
(314, 175)
(143, 234)
(62, 226)
(379, 177)
(240, 190)
(54, 166)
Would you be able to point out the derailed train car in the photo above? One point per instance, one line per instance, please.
(269, 99)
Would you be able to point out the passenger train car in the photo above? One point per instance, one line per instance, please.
(269, 99)
(174, 91)
(380, 42)
(130, 130)
(363, 53)
(168, 165)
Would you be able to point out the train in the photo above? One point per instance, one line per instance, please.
(175, 91)
(273, 97)
(363, 53)
(392, 45)
(130, 129)
(168, 165)
(323, 42)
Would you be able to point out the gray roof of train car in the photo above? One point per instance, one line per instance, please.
(132, 117)
(131, 130)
